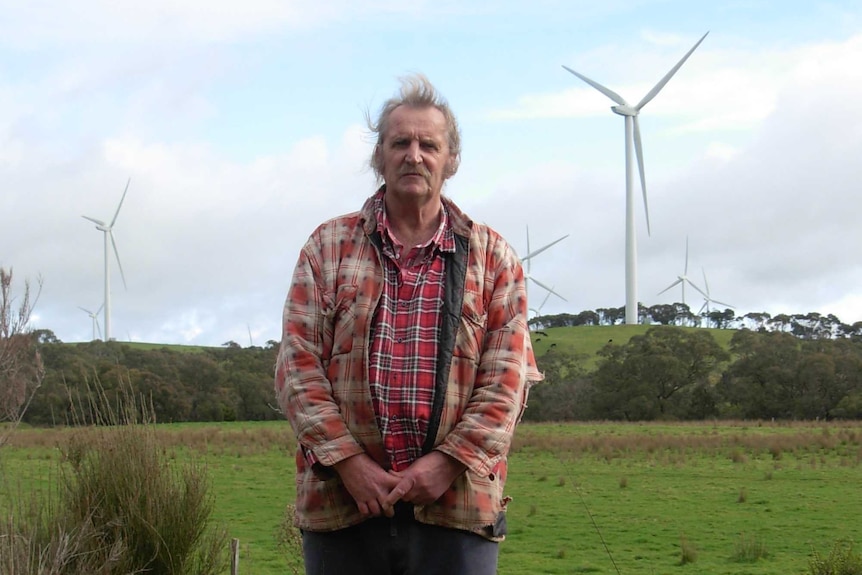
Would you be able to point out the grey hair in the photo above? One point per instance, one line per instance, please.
(416, 92)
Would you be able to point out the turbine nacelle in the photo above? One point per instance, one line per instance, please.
(625, 110)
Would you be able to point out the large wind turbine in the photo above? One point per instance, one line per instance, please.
(633, 136)
(107, 230)
(529, 257)
(684, 279)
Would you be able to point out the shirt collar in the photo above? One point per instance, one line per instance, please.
(443, 239)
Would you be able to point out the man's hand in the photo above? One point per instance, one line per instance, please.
(368, 484)
(425, 480)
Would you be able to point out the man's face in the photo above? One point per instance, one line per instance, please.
(415, 153)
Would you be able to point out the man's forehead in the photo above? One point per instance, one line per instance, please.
(425, 121)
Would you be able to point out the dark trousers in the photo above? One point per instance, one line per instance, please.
(398, 546)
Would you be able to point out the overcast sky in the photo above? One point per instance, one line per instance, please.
(240, 126)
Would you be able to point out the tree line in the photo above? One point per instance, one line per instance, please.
(811, 325)
(677, 374)
(667, 373)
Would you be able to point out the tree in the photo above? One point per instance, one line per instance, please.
(663, 313)
(651, 377)
(21, 369)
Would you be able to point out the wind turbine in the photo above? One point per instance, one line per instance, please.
(633, 137)
(707, 299)
(107, 230)
(683, 279)
(538, 311)
(528, 258)
(94, 315)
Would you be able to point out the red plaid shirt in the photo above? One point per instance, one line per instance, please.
(405, 330)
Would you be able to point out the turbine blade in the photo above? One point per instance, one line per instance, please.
(705, 304)
(117, 213)
(606, 91)
(95, 221)
(99, 329)
(640, 155)
(543, 286)
(86, 310)
(670, 286)
(692, 284)
(657, 88)
(721, 303)
(117, 254)
(540, 250)
(527, 259)
(705, 283)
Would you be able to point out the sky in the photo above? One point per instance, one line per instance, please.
(240, 127)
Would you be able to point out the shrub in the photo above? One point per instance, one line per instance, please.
(121, 506)
(290, 542)
(842, 560)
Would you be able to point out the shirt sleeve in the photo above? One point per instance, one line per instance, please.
(506, 369)
(304, 393)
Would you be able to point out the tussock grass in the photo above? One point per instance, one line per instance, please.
(121, 505)
(749, 549)
(688, 552)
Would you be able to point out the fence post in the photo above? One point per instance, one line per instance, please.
(234, 556)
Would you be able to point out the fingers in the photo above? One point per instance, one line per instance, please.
(397, 494)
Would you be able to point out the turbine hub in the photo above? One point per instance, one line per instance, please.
(624, 110)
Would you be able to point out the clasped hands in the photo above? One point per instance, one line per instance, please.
(376, 491)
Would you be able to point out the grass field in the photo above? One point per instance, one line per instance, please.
(589, 339)
(752, 499)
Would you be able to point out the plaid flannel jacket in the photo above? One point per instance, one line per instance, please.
(485, 366)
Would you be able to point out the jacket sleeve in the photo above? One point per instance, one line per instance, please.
(303, 390)
(506, 369)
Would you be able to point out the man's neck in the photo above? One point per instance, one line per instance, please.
(413, 224)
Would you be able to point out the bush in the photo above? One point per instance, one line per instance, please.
(842, 560)
(121, 506)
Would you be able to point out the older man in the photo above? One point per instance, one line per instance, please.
(404, 365)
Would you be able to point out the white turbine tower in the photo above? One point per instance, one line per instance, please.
(107, 230)
(529, 257)
(633, 136)
(683, 279)
(94, 315)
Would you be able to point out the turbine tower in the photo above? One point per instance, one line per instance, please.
(633, 137)
(107, 231)
(683, 279)
(528, 258)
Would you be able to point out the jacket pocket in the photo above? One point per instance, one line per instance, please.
(342, 319)
(470, 339)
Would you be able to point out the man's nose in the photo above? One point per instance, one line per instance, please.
(413, 155)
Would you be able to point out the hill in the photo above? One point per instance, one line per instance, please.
(589, 339)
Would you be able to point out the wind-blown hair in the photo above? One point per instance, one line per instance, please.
(417, 92)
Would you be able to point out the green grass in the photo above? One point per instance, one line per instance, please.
(589, 339)
(647, 487)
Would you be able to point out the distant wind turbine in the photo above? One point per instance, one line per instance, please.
(707, 299)
(538, 311)
(529, 257)
(107, 230)
(683, 279)
(94, 315)
(633, 136)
